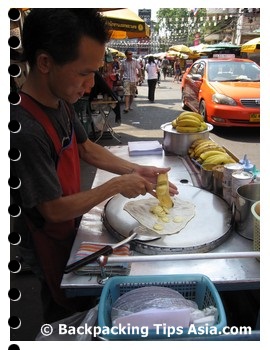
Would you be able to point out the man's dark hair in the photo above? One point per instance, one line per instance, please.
(127, 51)
(58, 32)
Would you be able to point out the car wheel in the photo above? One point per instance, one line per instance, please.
(202, 110)
(183, 105)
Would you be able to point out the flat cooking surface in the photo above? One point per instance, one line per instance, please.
(209, 228)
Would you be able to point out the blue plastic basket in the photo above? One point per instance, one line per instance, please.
(197, 287)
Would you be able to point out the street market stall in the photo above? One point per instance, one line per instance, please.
(228, 260)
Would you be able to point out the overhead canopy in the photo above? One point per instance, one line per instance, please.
(125, 24)
(116, 52)
(176, 54)
(251, 46)
(181, 48)
(198, 48)
(220, 47)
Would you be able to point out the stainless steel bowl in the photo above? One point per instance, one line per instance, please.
(178, 143)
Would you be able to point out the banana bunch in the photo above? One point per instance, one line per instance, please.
(189, 122)
(206, 151)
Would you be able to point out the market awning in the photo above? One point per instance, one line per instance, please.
(220, 47)
(181, 48)
(124, 24)
(116, 52)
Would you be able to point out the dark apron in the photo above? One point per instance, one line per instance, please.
(53, 242)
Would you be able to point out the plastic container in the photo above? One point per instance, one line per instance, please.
(197, 287)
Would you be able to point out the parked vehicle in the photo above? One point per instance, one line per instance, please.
(226, 91)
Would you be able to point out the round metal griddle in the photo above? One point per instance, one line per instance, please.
(209, 227)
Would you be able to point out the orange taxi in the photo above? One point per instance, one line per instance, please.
(226, 91)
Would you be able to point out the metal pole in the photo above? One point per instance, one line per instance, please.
(170, 257)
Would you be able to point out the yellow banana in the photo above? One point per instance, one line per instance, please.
(203, 143)
(188, 122)
(203, 126)
(185, 129)
(203, 147)
(219, 159)
(184, 114)
(174, 123)
(212, 152)
(190, 114)
(208, 148)
(197, 115)
(197, 143)
(162, 190)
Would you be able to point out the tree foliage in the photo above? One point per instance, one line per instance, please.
(180, 25)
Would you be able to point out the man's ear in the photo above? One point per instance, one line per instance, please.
(44, 62)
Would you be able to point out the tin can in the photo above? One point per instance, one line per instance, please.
(246, 196)
(240, 178)
(217, 179)
(227, 193)
(228, 170)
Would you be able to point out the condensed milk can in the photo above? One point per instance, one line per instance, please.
(240, 178)
(227, 180)
(227, 172)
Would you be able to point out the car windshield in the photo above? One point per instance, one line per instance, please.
(233, 71)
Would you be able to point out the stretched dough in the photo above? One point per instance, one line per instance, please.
(177, 217)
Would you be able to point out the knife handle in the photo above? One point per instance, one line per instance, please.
(90, 258)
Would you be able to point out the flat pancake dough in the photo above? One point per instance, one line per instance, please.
(182, 211)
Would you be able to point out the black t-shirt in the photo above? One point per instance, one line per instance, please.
(37, 167)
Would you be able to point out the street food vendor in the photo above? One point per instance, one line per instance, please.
(64, 48)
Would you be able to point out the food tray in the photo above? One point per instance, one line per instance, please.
(195, 287)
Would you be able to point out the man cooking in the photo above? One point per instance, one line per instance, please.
(64, 48)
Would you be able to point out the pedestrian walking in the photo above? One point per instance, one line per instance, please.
(130, 71)
(165, 64)
(152, 72)
(177, 70)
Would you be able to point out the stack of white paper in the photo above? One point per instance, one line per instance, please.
(138, 148)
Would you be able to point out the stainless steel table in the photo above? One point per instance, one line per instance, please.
(228, 273)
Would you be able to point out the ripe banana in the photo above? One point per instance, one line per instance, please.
(219, 159)
(162, 191)
(203, 126)
(211, 152)
(186, 129)
(174, 123)
(209, 148)
(189, 114)
(196, 143)
(204, 147)
(188, 122)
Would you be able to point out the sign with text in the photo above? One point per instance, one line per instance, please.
(145, 14)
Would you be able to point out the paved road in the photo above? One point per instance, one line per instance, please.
(145, 120)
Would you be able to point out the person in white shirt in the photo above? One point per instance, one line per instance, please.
(152, 71)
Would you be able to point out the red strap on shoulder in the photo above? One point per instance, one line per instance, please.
(33, 108)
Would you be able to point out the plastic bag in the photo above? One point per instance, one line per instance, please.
(78, 319)
(151, 302)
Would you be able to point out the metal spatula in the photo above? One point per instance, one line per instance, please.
(139, 233)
